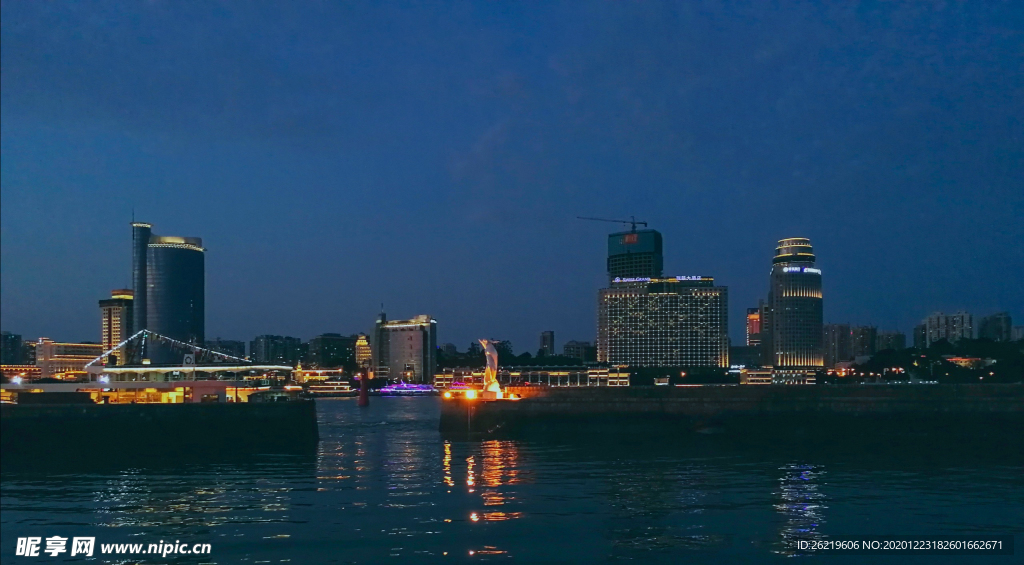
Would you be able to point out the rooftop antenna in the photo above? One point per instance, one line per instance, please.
(632, 222)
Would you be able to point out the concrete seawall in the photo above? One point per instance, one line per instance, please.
(59, 428)
(749, 409)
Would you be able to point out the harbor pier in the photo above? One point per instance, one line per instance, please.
(942, 410)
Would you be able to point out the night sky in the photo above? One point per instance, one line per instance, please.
(337, 155)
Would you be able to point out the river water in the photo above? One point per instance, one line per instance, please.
(386, 487)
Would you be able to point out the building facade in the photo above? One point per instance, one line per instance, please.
(635, 254)
(169, 278)
(671, 322)
(363, 351)
(547, 343)
(332, 351)
(997, 327)
(837, 342)
(11, 349)
(862, 340)
(405, 349)
(582, 350)
(57, 360)
(116, 318)
(276, 350)
(792, 318)
(754, 327)
(949, 327)
(896, 341)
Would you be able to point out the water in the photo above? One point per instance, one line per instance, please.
(386, 487)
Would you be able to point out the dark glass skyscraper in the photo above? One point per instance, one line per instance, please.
(169, 274)
(634, 254)
(793, 314)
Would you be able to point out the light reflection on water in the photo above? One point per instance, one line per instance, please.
(384, 485)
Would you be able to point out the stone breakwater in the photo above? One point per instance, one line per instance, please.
(957, 409)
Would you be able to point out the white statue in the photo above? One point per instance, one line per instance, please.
(491, 372)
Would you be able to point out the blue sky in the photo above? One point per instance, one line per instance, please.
(433, 156)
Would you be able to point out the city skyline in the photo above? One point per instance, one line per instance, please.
(357, 166)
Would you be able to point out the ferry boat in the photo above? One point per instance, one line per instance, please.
(331, 388)
(406, 389)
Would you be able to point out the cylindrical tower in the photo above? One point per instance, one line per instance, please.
(176, 298)
(141, 233)
(795, 307)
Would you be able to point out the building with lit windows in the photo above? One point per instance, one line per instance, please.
(896, 341)
(11, 350)
(949, 327)
(332, 351)
(405, 349)
(276, 350)
(58, 360)
(635, 254)
(116, 321)
(837, 344)
(547, 343)
(792, 319)
(582, 350)
(235, 348)
(997, 327)
(863, 340)
(169, 278)
(663, 322)
(363, 351)
(754, 327)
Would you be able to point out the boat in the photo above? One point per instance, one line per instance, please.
(331, 389)
(407, 389)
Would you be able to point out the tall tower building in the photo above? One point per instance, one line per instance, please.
(997, 327)
(169, 275)
(405, 349)
(794, 308)
(634, 254)
(116, 319)
(547, 343)
(754, 327)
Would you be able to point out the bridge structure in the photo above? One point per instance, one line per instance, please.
(204, 375)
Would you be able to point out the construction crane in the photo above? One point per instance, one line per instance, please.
(632, 222)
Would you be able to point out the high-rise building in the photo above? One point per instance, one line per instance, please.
(230, 347)
(405, 349)
(582, 350)
(363, 351)
(116, 318)
(921, 336)
(11, 349)
(837, 342)
(1017, 333)
(862, 340)
(547, 343)
(634, 254)
(276, 350)
(792, 327)
(754, 327)
(997, 327)
(58, 360)
(332, 351)
(896, 341)
(951, 327)
(168, 274)
(670, 322)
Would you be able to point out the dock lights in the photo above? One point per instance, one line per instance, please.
(471, 394)
(447, 394)
(16, 380)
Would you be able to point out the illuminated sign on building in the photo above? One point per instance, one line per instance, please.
(628, 280)
(690, 278)
(810, 270)
(630, 238)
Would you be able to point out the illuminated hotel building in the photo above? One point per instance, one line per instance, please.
(57, 360)
(116, 319)
(169, 278)
(663, 322)
(793, 314)
(635, 254)
(405, 349)
(363, 351)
